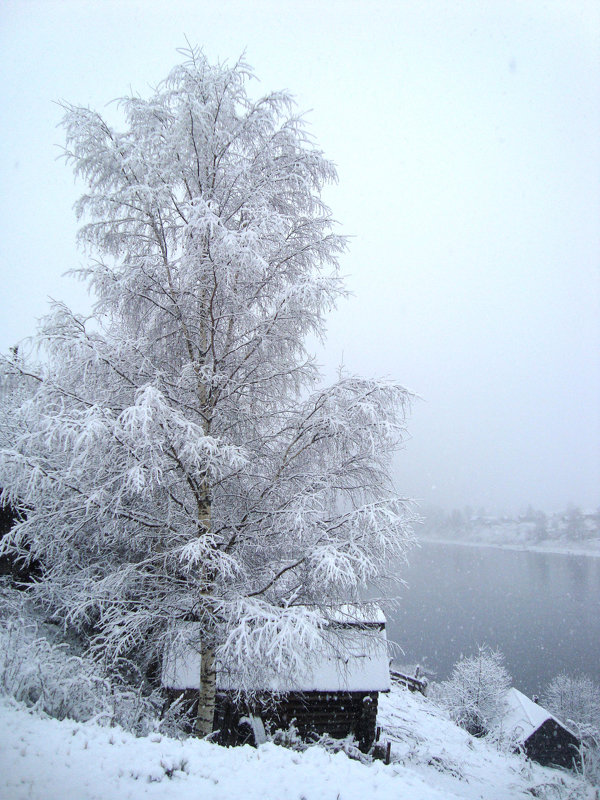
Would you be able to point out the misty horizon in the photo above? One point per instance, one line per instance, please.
(466, 145)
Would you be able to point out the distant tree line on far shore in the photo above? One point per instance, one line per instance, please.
(532, 526)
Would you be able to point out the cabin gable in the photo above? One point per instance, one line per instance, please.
(552, 745)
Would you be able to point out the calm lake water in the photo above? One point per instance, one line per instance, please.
(540, 609)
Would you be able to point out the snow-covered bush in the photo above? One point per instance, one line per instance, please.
(475, 691)
(590, 753)
(574, 698)
(576, 701)
(288, 737)
(52, 677)
(291, 739)
(49, 677)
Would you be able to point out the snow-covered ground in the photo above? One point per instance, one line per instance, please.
(432, 759)
(449, 759)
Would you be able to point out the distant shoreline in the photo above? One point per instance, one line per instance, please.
(590, 548)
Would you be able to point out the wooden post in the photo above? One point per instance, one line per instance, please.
(388, 752)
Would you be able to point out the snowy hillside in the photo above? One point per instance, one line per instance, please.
(45, 759)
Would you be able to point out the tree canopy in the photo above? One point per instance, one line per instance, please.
(177, 459)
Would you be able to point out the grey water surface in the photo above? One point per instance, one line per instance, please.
(542, 610)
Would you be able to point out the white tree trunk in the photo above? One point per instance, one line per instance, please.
(206, 693)
(208, 674)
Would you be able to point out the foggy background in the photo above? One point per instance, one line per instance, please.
(466, 136)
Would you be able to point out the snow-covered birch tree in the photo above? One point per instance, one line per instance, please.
(475, 692)
(177, 461)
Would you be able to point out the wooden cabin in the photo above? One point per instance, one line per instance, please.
(542, 736)
(336, 694)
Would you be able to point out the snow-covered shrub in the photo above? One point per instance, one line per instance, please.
(576, 701)
(291, 739)
(475, 691)
(589, 753)
(574, 698)
(52, 677)
(347, 745)
(558, 788)
(288, 738)
(49, 677)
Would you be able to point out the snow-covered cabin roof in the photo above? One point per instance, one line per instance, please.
(523, 717)
(358, 614)
(354, 659)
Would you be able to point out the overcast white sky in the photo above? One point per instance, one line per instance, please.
(467, 141)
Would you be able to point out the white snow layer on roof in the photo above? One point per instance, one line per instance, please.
(358, 614)
(522, 716)
(351, 659)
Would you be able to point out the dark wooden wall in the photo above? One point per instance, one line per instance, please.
(338, 714)
(553, 745)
